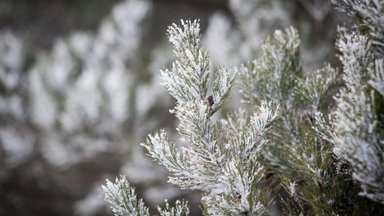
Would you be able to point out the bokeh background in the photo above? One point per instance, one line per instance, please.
(80, 89)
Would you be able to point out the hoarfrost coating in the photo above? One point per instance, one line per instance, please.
(220, 166)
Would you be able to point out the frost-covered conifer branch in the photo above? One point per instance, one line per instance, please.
(356, 124)
(188, 79)
(224, 167)
(210, 159)
(124, 202)
(238, 162)
(311, 90)
(355, 57)
(271, 76)
(376, 75)
(181, 209)
(355, 128)
(371, 16)
(122, 199)
(297, 155)
(304, 161)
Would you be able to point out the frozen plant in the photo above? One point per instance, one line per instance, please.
(371, 19)
(69, 88)
(289, 151)
(218, 158)
(356, 125)
(124, 201)
(295, 159)
(16, 138)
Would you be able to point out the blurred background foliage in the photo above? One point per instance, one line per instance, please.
(79, 89)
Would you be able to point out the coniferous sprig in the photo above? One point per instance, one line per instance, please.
(356, 128)
(189, 77)
(310, 92)
(271, 76)
(224, 167)
(124, 202)
(122, 198)
(230, 160)
(181, 209)
(370, 14)
(376, 74)
(302, 163)
(220, 161)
